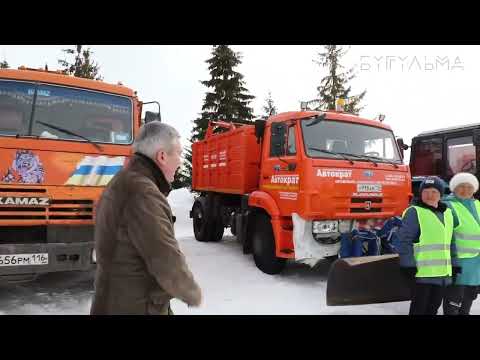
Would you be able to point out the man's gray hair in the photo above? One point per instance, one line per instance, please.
(153, 137)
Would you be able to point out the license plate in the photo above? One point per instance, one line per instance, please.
(369, 188)
(24, 259)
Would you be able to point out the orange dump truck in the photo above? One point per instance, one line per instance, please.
(288, 187)
(62, 139)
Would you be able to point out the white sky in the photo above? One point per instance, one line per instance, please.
(436, 88)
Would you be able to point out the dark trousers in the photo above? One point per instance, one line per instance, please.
(426, 299)
(458, 299)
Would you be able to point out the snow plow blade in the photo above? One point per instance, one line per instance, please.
(367, 280)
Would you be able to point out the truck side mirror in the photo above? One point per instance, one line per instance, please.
(151, 116)
(402, 146)
(259, 129)
(277, 141)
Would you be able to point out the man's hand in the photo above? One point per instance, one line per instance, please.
(197, 302)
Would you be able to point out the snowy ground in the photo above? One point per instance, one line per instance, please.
(230, 282)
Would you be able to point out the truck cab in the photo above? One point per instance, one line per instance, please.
(327, 173)
(62, 139)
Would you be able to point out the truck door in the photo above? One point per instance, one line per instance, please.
(426, 159)
(280, 173)
(461, 155)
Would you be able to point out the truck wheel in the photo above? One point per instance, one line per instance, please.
(264, 247)
(204, 227)
(217, 231)
(200, 225)
(233, 227)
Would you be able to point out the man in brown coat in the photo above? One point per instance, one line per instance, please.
(139, 264)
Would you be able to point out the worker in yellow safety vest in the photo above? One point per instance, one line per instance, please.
(425, 247)
(466, 236)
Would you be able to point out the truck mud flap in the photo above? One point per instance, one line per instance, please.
(367, 280)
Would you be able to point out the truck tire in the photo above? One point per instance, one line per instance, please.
(205, 227)
(200, 224)
(233, 227)
(264, 247)
(217, 231)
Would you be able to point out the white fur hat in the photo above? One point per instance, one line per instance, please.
(462, 178)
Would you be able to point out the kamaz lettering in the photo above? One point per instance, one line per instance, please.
(24, 201)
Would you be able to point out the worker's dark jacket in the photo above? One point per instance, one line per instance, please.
(139, 264)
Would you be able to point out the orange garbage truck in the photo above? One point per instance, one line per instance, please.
(62, 139)
(289, 186)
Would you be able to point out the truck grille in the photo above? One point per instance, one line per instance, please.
(58, 210)
(45, 234)
(366, 205)
(24, 190)
(362, 211)
(70, 210)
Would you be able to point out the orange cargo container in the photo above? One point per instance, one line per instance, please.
(228, 162)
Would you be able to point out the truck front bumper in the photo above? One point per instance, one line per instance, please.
(307, 250)
(61, 257)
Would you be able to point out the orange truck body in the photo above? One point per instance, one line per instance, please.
(237, 164)
(237, 174)
(49, 184)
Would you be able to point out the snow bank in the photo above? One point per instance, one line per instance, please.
(230, 282)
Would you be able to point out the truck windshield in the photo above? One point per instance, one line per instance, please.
(348, 138)
(27, 108)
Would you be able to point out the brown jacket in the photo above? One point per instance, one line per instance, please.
(139, 264)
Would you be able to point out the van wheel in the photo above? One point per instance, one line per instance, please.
(264, 247)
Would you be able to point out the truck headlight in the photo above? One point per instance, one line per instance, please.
(344, 226)
(325, 227)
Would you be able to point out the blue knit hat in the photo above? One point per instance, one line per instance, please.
(433, 182)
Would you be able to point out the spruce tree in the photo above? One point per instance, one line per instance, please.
(183, 175)
(335, 84)
(269, 107)
(227, 99)
(82, 65)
